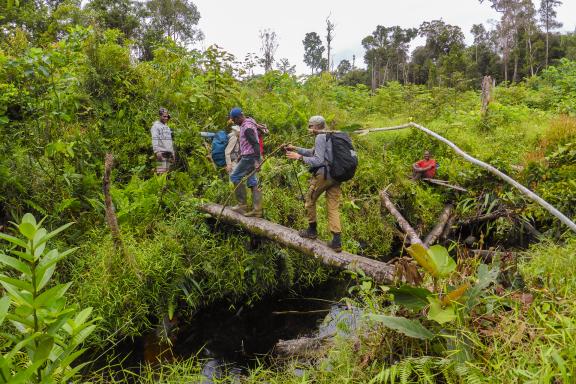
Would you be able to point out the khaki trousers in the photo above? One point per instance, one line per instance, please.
(319, 185)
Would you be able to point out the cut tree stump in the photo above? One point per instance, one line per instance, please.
(379, 271)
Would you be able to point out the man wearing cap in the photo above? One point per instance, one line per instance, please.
(249, 163)
(162, 142)
(318, 160)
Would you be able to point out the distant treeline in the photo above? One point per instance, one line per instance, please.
(521, 44)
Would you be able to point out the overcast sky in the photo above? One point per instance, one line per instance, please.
(235, 25)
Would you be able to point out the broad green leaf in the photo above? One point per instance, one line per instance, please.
(411, 297)
(52, 234)
(57, 353)
(39, 250)
(39, 239)
(24, 375)
(15, 263)
(43, 276)
(16, 295)
(44, 345)
(15, 349)
(52, 295)
(28, 230)
(82, 334)
(60, 324)
(420, 254)
(23, 255)
(21, 284)
(29, 218)
(411, 328)
(50, 259)
(22, 321)
(73, 372)
(439, 314)
(82, 316)
(486, 275)
(13, 240)
(442, 260)
(4, 306)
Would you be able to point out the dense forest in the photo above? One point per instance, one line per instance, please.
(489, 303)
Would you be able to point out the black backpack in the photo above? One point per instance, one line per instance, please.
(344, 158)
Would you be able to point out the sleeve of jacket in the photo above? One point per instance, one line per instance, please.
(305, 151)
(253, 140)
(229, 148)
(318, 156)
(155, 138)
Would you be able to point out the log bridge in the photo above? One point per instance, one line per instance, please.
(379, 271)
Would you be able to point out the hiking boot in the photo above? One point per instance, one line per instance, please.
(257, 203)
(336, 243)
(240, 193)
(310, 232)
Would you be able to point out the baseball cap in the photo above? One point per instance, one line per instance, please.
(316, 120)
(235, 112)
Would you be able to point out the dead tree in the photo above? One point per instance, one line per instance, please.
(486, 93)
(111, 218)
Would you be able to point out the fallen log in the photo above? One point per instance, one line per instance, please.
(413, 237)
(487, 255)
(443, 183)
(303, 347)
(448, 227)
(559, 215)
(439, 227)
(485, 217)
(379, 271)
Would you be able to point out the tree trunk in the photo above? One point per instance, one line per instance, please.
(486, 93)
(111, 218)
(530, 53)
(515, 74)
(547, 37)
(413, 237)
(379, 271)
(438, 229)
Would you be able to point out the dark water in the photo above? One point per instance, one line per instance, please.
(231, 339)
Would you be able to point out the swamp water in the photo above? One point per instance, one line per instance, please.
(229, 340)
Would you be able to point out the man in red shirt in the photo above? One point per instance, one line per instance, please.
(424, 168)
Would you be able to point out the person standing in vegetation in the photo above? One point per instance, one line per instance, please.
(318, 160)
(249, 164)
(425, 168)
(232, 151)
(162, 142)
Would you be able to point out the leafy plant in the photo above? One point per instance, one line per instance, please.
(45, 332)
(440, 305)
